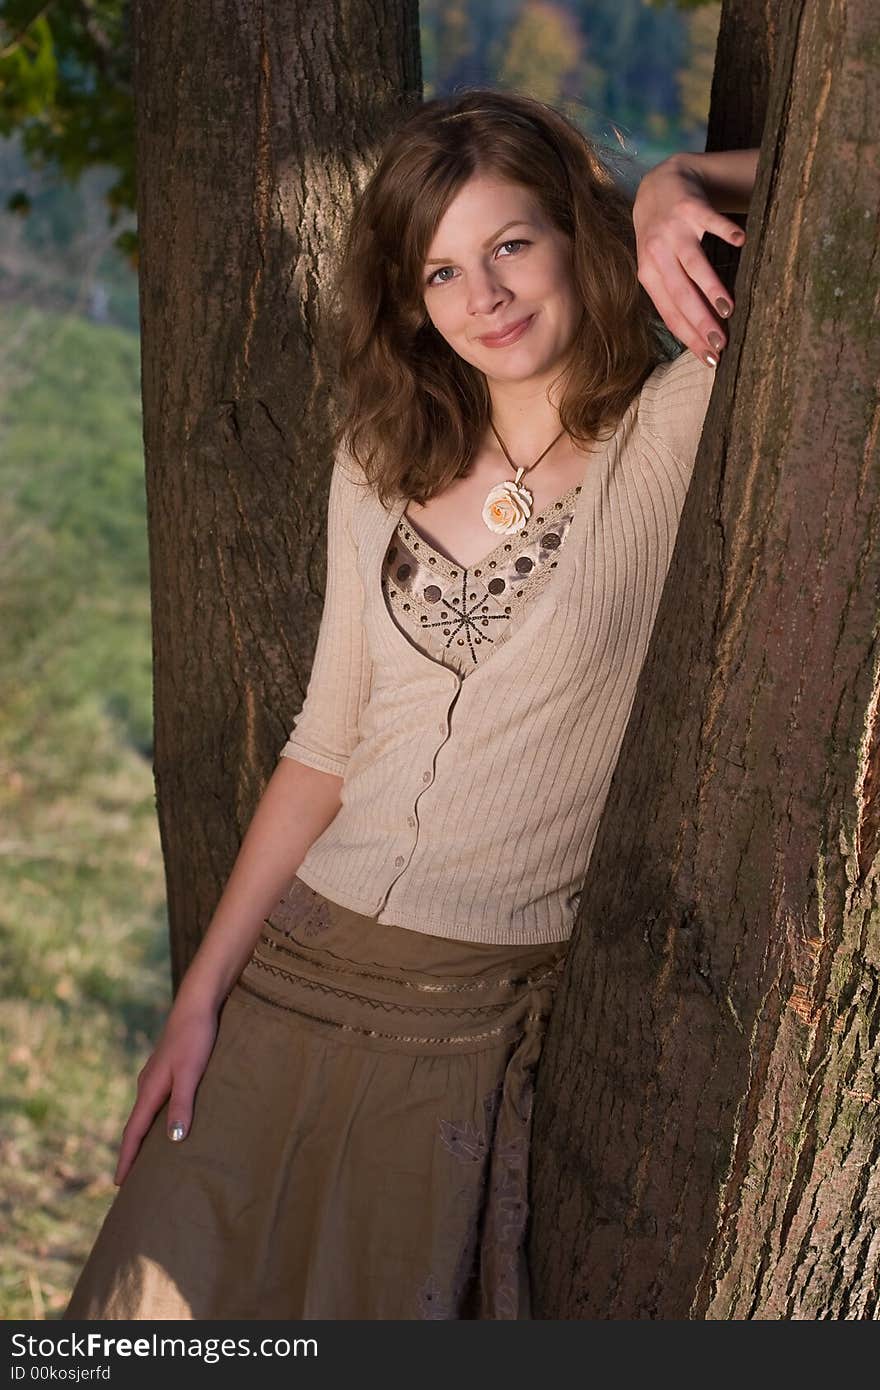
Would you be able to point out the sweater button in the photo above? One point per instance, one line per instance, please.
(426, 776)
(410, 820)
(399, 861)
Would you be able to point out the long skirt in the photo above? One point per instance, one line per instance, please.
(360, 1137)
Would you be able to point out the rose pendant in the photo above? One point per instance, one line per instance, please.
(508, 506)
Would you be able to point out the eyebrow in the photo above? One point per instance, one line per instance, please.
(518, 222)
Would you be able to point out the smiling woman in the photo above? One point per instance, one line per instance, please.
(449, 324)
(504, 501)
(510, 309)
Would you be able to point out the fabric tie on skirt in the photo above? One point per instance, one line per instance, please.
(359, 1146)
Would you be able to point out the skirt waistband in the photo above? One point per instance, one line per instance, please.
(393, 986)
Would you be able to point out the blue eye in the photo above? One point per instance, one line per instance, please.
(432, 279)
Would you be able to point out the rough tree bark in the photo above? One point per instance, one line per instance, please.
(745, 56)
(255, 126)
(707, 1123)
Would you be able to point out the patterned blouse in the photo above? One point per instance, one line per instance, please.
(458, 616)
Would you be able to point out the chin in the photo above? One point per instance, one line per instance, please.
(522, 370)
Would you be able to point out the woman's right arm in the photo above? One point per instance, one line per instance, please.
(297, 806)
(301, 798)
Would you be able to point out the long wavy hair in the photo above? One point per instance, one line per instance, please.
(414, 413)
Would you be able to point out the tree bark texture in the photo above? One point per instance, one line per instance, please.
(256, 125)
(745, 56)
(707, 1123)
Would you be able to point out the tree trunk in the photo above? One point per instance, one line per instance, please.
(706, 1124)
(255, 126)
(745, 58)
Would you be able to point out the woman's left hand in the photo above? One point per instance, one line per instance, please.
(671, 213)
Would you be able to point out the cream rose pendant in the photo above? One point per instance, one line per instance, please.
(508, 506)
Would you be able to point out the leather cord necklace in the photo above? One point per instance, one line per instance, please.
(508, 505)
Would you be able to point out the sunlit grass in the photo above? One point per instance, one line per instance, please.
(84, 978)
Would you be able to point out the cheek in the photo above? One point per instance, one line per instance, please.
(551, 276)
(447, 315)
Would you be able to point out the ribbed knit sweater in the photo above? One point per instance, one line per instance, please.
(470, 805)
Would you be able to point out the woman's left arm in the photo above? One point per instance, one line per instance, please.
(676, 203)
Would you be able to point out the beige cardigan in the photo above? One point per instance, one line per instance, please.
(470, 805)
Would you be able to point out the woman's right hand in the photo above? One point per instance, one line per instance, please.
(174, 1068)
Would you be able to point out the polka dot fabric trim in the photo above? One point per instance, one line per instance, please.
(460, 616)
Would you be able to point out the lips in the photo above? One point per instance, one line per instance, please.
(508, 335)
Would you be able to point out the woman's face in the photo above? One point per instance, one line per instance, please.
(497, 265)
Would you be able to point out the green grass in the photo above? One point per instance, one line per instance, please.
(84, 977)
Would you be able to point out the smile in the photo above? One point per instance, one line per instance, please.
(512, 334)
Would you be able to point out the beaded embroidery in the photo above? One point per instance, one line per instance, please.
(459, 615)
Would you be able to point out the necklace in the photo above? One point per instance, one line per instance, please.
(508, 505)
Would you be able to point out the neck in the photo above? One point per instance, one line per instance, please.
(526, 415)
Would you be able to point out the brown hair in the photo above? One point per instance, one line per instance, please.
(414, 412)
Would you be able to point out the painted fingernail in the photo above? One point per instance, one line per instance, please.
(715, 341)
(723, 307)
(177, 1131)
(713, 361)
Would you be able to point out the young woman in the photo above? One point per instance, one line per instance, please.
(351, 1056)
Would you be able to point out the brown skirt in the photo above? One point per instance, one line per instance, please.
(359, 1145)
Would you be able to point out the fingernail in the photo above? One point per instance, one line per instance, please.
(723, 307)
(177, 1131)
(715, 340)
(713, 361)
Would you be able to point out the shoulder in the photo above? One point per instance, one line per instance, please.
(346, 475)
(348, 482)
(672, 404)
(352, 498)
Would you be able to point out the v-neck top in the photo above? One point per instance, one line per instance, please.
(460, 615)
(470, 804)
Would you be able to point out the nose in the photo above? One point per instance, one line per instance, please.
(485, 291)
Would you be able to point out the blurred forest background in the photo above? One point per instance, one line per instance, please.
(84, 978)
